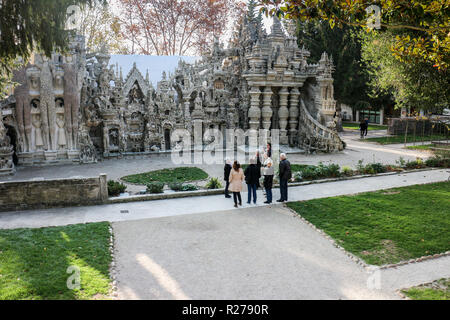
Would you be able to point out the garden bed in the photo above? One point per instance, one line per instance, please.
(175, 175)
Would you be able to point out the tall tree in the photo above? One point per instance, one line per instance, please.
(416, 86)
(174, 27)
(29, 25)
(345, 48)
(101, 27)
(423, 27)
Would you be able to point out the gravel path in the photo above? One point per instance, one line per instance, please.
(254, 253)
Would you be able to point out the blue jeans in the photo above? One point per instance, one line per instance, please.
(251, 189)
(269, 195)
(284, 189)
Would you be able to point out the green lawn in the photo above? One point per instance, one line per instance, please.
(440, 290)
(423, 147)
(34, 262)
(401, 139)
(386, 227)
(355, 126)
(168, 176)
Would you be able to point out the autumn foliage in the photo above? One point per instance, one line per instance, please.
(175, 27)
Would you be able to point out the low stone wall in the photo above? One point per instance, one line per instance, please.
(25, 195)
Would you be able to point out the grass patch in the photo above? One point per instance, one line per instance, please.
(425, 147)
(181, 175)
(355, 126)
(386, 227)
(401, 139)
(34, 262)
(438, 290)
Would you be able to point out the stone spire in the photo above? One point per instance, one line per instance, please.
(277, 29)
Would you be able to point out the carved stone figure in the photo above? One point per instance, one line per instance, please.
(62, 142)
(37, 132)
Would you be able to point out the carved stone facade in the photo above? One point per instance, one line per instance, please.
(80, 108)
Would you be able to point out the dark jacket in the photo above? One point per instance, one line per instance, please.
(285, 170)
(252, 174)
(268, 182)
(226, 173)
(363, 126)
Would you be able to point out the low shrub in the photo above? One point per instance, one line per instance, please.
(155, 187)
(180, 187)
(176, 186)
(438, 162)
(310, 173)
(374, 168)
(417, 164)
(213, 184)
(115, 188)
(347, 171)
(190, 187)
(298, 177)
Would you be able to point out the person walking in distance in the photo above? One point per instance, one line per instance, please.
(269, 172)
(252, 175)
(285, 176)
(236, 179)
(227, 171)
(363, 128)
(366, 128)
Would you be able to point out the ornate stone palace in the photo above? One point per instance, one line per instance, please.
(76, 107)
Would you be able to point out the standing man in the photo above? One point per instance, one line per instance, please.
(366, 131)
(285, 176)
(226, 177)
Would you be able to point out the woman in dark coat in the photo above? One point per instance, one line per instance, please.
(252, 175)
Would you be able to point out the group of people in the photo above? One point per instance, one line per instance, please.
(234, 177)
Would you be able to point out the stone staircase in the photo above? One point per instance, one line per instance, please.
(314, 137)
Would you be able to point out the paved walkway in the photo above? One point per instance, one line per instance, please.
(197, 248)
(254, 253)
(176, 207)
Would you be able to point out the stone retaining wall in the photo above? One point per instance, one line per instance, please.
(38, 194)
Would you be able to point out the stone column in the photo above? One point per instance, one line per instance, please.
(267, 111)
(294, 113)
(103, 181)
(254, 115)
(283, 114)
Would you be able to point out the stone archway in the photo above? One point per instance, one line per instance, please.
(12, 134)
(167, 139)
